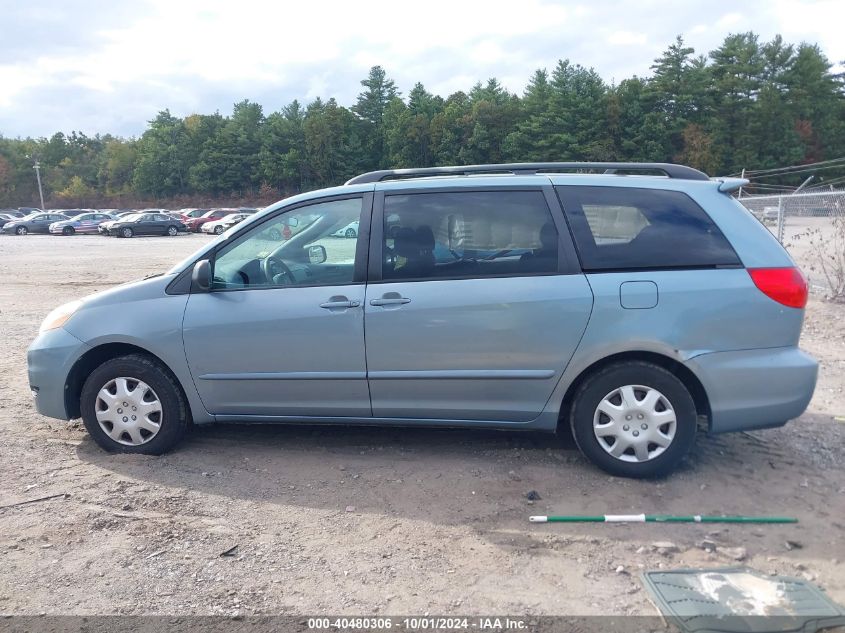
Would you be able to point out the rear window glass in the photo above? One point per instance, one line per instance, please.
(621, 228)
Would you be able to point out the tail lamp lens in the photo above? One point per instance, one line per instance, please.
(787, 286)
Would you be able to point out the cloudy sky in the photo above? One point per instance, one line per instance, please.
(110, 65)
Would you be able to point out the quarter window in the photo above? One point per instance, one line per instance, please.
(623, 227)
(468, 234)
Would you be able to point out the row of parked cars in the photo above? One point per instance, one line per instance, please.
(121, 223)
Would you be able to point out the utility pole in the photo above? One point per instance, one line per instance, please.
(37, 168)
(803, 184)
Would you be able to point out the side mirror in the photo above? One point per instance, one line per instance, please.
(292, 222)
(317, 254)
(201, 276)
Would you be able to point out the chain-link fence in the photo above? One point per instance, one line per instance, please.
(812, 228)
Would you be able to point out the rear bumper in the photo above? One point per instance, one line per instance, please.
(755, 389)
(49, 361)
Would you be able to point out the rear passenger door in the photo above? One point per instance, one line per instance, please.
(161, 223)
(474, 304)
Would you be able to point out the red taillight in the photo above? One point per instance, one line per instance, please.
(784, 285)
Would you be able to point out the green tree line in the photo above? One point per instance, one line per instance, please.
(747, 104)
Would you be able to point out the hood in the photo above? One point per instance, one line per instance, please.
(147, 288)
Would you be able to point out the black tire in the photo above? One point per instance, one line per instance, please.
(172, 231)
(175, 418)
(350, 233)
(218, 230)
(597, 386)
(21, 230)
(126, 232)
(68, 230)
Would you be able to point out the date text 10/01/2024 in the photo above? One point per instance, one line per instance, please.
(421, 623)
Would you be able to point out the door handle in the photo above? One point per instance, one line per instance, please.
(391, 301)
(334, 304)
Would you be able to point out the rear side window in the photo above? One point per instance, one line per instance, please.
(468, 234)
(622, 228)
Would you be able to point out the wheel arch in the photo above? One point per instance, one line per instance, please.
(95, 357)
(684, 374)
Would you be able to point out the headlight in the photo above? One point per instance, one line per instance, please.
(59, 316)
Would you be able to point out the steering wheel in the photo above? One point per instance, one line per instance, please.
(276, 271)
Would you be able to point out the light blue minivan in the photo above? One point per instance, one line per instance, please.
(634, 303)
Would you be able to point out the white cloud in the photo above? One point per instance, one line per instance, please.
(111, 67)
(729, 20)
(626, 38)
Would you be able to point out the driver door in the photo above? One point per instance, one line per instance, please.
(281, 332)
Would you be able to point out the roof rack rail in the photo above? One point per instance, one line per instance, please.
(522, 169)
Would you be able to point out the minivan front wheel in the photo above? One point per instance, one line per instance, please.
(634, 419)
(131, 404)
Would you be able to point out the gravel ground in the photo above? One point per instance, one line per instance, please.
(368, 521)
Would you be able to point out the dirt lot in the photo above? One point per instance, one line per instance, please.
(366, 521)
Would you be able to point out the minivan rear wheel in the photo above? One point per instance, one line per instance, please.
(132, 404)
(634, 419)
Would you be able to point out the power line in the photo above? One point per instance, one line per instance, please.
(753, 172)
(827, 183)
(799, 171)
(770, 185)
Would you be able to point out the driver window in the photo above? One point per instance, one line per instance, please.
(309, 246)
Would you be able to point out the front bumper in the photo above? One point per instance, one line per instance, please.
(49, 359)
(756, 389)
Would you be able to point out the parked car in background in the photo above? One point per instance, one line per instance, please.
(223, 224)
(146, 224)
(350, 230)
(177, 215)
(103, 228)
(195, 224)
(34, 223)
(83, 223)
(769, 214)
(71, 213)
(26, 211)
(193, 213)
(6, 217)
